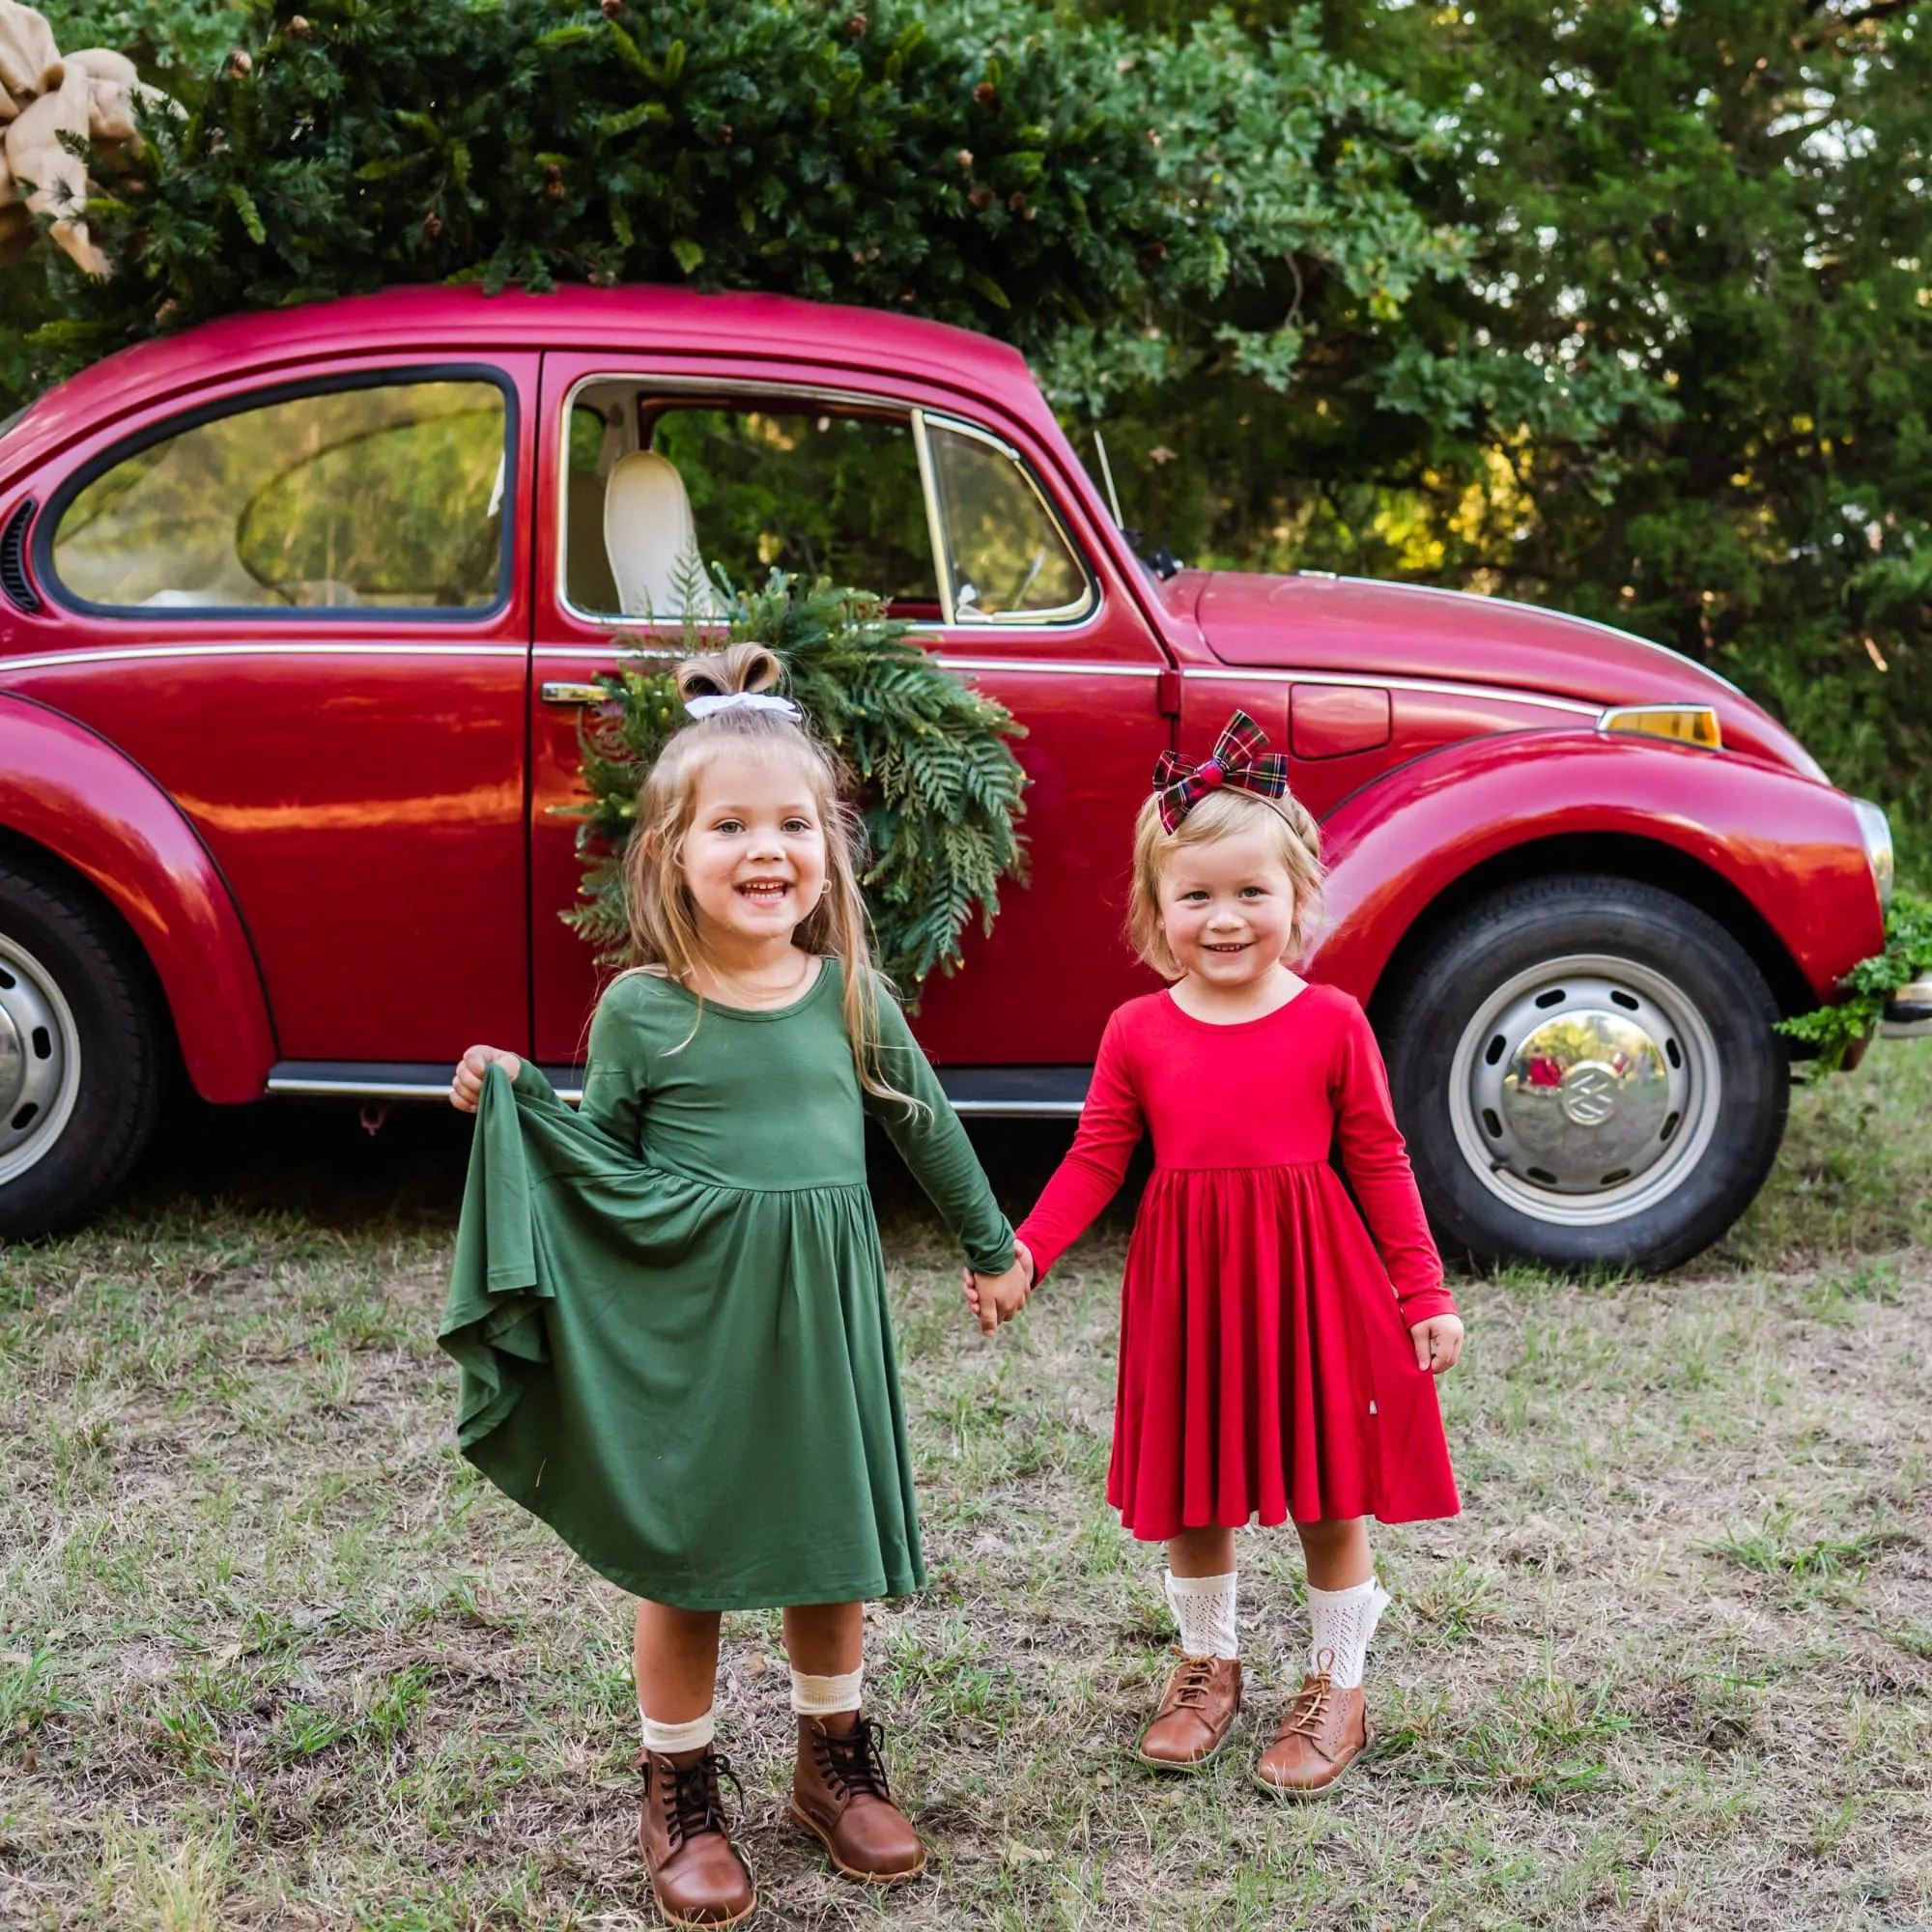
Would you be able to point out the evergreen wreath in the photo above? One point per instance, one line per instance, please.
(939, 786)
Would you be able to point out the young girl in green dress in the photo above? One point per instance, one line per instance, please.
(669, 1307)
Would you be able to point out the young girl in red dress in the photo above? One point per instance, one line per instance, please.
(1272, 1362)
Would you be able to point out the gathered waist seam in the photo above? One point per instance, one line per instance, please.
(739, 1187)
(1268, 1167)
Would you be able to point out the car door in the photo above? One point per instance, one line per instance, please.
(955, 518)
(301, 606)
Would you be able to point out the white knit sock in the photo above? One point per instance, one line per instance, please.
(1204, 1607)
(664, 1739)
(826, 1697)
(1344, 1620)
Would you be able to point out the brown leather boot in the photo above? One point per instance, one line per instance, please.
(696, 1875)
(1325, 1730)
(1197, 1711)
(839, 1794)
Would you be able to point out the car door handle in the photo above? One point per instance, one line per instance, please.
(573, 694)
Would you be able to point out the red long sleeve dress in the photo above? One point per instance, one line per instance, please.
(1266, 1365)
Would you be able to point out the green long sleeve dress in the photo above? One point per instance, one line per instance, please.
(669, 1307)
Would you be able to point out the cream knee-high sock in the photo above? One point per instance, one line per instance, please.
(1343, 1621)
(1204, 1607)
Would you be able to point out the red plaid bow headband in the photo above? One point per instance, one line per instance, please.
(1239, 761)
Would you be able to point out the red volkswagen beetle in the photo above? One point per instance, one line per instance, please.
(298, 613)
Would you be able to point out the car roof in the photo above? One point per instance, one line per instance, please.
(453, 320)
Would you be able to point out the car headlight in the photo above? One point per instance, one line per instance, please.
(1876, 830)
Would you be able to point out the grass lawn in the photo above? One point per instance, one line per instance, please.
(271, 1656)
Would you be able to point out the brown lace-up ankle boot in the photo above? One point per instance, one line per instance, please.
(839, 1794)
(696, 1875)
(1197, 1711)
(1325, 1730)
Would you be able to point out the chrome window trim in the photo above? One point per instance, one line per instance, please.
(935, 533)
(1064, 619)
(408, 374)
(1059, 615)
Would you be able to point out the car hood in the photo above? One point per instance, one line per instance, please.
(1362, 628)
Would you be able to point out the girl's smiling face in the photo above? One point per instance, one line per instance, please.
(753, 852)
(1227, 908)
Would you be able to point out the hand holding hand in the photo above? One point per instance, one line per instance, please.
(466, 1088)
(1439, 1342)
(994, 1299)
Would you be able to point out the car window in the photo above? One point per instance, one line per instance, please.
(805, 487)
(1004, 552)
(389, 496)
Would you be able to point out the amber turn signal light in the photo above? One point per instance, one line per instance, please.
(1685, 724)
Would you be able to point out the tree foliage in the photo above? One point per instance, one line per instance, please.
(984, 163)
(1684, 386)
(1862, 993)
(928, 755)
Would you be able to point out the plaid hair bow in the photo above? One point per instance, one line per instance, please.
(1239, 761)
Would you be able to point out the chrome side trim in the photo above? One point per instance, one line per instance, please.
(1445, 687)
(150, 653)
(1089, 667)
(1020, 1109)
(1057, 664)
(357, 1089)
(987, 1093)
(387, 1080)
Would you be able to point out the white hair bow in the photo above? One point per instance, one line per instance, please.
(747, 700)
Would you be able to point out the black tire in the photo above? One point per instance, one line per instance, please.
(1474, 1180)
(67, 965)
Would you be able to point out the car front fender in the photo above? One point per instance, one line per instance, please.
(1790, 846)
(70, 793)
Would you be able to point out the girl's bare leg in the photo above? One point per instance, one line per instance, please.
(1200, 1553)
(827, 1640)
(677, 1662)
(1338, 1554)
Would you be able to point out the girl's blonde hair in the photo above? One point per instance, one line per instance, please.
(1293, 833)
(663, 936)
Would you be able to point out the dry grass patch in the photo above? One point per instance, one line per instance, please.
(269, 1655)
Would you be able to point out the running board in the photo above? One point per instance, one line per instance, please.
(989, 1092)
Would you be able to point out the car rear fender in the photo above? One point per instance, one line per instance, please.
(69, 793)
(1786, 846)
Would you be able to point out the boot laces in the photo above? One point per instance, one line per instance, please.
(853, 1761)
(1310, 1706)
(1191, 1681)
(693, 1801)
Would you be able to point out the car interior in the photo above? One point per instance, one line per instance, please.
(663, 490)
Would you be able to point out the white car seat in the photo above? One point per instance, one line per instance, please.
(652, 541)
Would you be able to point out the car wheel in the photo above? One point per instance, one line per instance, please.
(80, 1068)
(1588, 1073)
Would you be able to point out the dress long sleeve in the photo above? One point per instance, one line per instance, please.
(933, 1144)
(1111, 1126)
(1378, 1170)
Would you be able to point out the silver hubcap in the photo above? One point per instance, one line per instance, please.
(39, 1061)
(1585, 1090)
